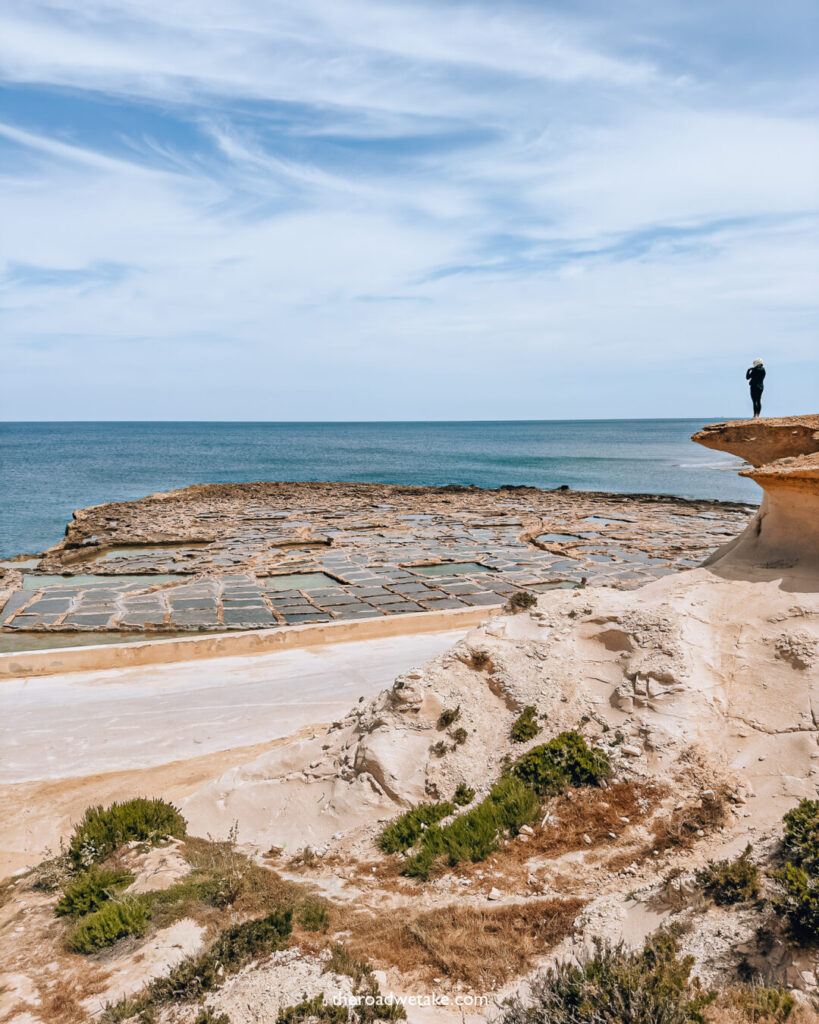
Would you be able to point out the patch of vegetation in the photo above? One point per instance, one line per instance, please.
(801, 835)
(463, 795)
(682, 829)
(113, 921)
(797, 897)
(208, 1016)
(195, 975)
(90, 890)
(460, 736)
(314, 915)
(104, 830)
(405, 831)
(525, 726)
(480, 660)
(472, 836)
(798, 900)
(448, 716)
(564, 761)
(439, 748)
(613, 984)
(730, 881)
(521, 600)
(370, 1004)
(52, 873)
(757, 1004)
(314, 1009)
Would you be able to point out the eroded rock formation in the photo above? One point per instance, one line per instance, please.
(783, 537)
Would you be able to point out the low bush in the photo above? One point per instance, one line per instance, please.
(314, 1009)
(208, 1016)
(448, 716)
(564, 761)
(89, 890)
(463, 795)
(460, 736)
(369, 1005)
(113, 921)
(615, 986)
(797, 898)
(472, 836)
(231, 950)
(521, 600)
(104, 830)
(314, 915)
(730, 881)
(405, 831)
(754, 1003)
(525, 726)
(801, 835)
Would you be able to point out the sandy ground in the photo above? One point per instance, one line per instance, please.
(72, 740)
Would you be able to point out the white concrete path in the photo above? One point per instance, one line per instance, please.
(84, 723)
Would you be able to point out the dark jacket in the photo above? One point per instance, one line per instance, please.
(756, 375)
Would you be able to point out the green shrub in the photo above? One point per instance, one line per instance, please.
(113, 921)
(756, 1003)
(801, 837)
(89, 890)
(313, 1009)
(405, 831)
(463, 795)
(208, 1016)
(525, 726)
(730, 881)
(615, 986)
(371, 1005)
(460, 736)
(564, 761)
(522, 599)
(231, 950)
(104, 830)
(474, 835)
(448, 716)
(314, 915)
(798, 900)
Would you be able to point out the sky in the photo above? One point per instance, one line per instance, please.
(350, 210)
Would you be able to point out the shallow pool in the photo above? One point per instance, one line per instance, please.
(35, 581)
(302, 581)
(450, 569)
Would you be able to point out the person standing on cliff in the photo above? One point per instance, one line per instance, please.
(755, 377)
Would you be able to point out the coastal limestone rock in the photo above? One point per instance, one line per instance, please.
(396, 759)
(784, 456)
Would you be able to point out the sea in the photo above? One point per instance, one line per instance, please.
(49, 469)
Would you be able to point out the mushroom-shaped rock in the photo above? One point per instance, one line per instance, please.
(784, 456)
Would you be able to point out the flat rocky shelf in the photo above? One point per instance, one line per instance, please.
(249, 556)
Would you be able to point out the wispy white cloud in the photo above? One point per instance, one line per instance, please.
(391, 200)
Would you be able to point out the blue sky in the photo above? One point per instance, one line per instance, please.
(341, 209)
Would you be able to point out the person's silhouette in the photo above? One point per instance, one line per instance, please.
(755, 376)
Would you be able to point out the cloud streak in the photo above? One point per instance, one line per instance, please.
(363, 205)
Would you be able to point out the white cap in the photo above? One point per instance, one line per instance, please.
(757, 362)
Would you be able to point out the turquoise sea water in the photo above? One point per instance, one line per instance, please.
(49, 469)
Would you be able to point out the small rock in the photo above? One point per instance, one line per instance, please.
(631, 751)
(586, 839)
(493, 894)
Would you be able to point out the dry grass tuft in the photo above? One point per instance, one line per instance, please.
(481, 947)
(680, 830)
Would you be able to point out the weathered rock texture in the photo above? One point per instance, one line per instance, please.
(784, 456)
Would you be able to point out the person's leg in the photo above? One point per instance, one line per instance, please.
(756, 396)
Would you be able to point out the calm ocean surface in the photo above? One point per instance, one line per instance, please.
(49, 469)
